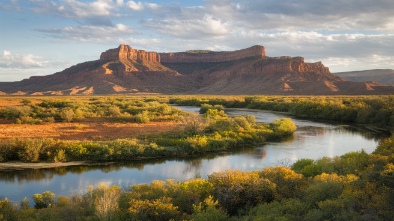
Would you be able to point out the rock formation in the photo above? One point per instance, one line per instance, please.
(125, 70)
(131, 60)
(125, 52)
(209, 56)
(294, 64)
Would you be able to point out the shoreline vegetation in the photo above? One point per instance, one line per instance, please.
(211, 131)
(375, 111)
(354, 186)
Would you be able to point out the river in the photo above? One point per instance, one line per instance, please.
(311, 140)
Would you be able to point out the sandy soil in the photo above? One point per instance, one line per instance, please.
(23, 166)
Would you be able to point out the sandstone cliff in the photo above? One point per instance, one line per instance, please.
(125, 52)
(295, 65)
(125, 70)
(208, 56)
(132, 60)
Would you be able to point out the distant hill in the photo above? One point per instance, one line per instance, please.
(125, 70)
(382, 76)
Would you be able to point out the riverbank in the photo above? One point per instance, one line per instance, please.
(16, 165)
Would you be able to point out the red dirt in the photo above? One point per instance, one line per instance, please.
(84, 130)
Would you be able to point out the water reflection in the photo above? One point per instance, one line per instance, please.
(311, 140)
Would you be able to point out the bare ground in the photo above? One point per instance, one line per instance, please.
(22, 166)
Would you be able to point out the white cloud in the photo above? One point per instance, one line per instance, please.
(6, 53)
(15, 67)
(88, 33)
(373, 61)
(119, 2)
(136, 6)
(76, 9)
(205, 27)
(8, 60)
(309, 14)
(152, 6)
(341, 33)
(12, 6)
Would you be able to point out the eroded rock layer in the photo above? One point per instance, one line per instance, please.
(125, 52)
(125, 70)
(209, 56)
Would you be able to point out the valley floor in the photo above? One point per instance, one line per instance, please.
(93, 130)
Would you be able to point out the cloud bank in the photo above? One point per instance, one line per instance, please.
(343, 34)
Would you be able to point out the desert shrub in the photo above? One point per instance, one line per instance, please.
(60, 156)
(324, 187)
(30, 150)
(56, 103)
(27, 120)
(194, 124)
(189, 193)
(306, 167)
(8, 210)
(14, 112)
(114, 111)
(48, 119)
(143, 117)
(44, 199)
(236, 189)
(106, 201)
(9, 150)
(67, 114)
(286, 209)
(208, 210)
(160, 209)
(288, 183)
(351, 163)
(284, 126)
(205, 107)
(25, 204)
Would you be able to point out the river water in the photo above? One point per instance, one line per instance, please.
(311, 140)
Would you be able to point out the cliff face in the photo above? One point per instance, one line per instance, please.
(246, 71)
(131, 60)
(125, 52)
(291, 64)
(190, 57)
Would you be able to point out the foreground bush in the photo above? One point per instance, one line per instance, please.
(364, 192)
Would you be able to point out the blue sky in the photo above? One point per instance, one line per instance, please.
(40, 37)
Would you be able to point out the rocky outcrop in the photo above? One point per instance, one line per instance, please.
(209, 56)
(125, 70)
(291, 64)
(125, 52)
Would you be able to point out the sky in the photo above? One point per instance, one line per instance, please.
(41, 37)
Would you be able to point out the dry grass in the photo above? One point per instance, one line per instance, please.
(84, 130)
